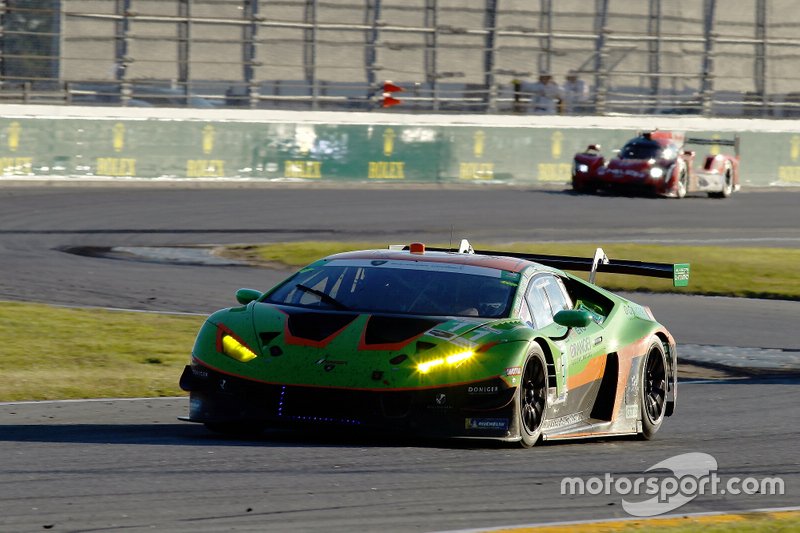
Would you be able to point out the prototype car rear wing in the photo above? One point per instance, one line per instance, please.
(721, 142)
(677, 272)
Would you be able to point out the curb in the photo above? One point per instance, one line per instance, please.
(760, 362)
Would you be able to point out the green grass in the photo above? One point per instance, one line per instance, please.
(59, 353)
(715, 270)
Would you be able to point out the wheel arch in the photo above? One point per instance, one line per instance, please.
(552, 380)
(672, 362)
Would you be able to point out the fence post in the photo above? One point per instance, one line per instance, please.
(707, 80)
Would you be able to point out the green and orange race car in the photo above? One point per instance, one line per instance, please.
(431, 342)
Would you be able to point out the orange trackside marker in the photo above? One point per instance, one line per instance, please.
(417, 248)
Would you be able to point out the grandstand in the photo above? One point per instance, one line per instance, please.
(703, 57)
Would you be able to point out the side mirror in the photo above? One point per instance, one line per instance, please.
(245, 296)
(573, 318)
(593, 148)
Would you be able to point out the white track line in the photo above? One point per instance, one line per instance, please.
(87, 400)
(102, 308)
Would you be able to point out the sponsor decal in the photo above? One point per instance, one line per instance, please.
(483, 389)
(565, 420)
(486, 423)
(633, 310)
(115, 166)
(199, 372)
(430, 266)
(475, 171)
(386, 170)
(580, 350)
(441, 334)
(789, 173)
(632, 387)
(631, 411)
(680, 275)
(439, 402)
(205, 168)
(514, 371)
(195, 406)
(554, 171)
(481, 332)
(329, 364)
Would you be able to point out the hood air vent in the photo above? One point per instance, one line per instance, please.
(393, 330)
(317, 326)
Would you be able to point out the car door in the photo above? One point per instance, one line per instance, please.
(579, 366)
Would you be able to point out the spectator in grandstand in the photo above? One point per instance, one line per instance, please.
(575, 94)
(545, 95)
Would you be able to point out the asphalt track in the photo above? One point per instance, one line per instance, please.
(129, 464)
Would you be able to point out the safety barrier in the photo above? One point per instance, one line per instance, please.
(48, 142)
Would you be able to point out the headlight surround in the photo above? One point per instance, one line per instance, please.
(656, 172)
(233, 347)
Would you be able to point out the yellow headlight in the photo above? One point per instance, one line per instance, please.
(426, 366)
(451, 360)
(459, 357)
(235, 349)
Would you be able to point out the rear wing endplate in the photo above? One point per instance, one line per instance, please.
(721, 142)
(677, 272)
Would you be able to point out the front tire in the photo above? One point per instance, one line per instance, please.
(581, 188)
(653, 389)
(532, 398)
(682, 186)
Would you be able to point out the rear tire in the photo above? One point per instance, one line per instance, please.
(727, 187)
(532, 398)
(653, 389)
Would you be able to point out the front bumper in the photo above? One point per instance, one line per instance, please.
(483, 409)
(648, 185)
(624, 183)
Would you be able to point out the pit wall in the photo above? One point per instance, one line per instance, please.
(74, 143)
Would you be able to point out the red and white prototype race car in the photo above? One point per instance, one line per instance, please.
(658, 162)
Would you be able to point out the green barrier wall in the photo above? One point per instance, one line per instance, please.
(435, 154)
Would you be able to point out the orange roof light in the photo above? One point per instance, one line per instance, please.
(416, 248)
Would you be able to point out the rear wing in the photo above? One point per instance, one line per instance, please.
(720, 142)
(677, 272)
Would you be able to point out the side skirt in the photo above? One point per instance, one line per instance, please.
(588, 429)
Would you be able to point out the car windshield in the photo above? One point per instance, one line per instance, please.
(640, 149)
(408, 287)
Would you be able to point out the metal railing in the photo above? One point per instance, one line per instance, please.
(317, 54)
